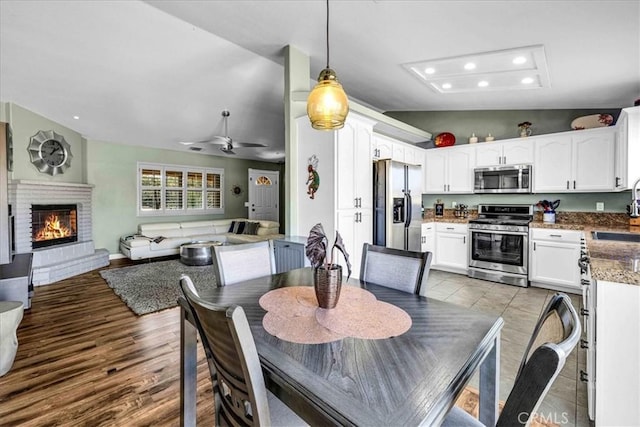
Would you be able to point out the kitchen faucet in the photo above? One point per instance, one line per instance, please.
(635, 206)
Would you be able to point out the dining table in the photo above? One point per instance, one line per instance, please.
(410, 379)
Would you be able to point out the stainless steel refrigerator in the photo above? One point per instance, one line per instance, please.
(397, 189)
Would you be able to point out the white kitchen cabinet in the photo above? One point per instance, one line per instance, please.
(353, 166)
(449, 170)
(617, 382)
(428, 237)
(356, 228)
(516, 152)
(382, 147)
(580, 161)
(627, 168)
(553, 259)
(451, 250)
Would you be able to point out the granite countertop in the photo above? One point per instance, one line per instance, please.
(611, 260)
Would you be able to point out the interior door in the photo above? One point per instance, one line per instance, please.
(264, 194)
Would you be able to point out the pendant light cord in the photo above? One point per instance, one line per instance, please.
(327, 33)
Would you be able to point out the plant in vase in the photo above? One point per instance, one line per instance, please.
(327, 274)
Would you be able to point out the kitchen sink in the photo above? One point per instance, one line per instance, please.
(620, 237)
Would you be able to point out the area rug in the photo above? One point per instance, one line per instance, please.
(154, 286)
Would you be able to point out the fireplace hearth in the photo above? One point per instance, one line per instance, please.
(53, 225)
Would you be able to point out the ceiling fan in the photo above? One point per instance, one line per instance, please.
(226, 143)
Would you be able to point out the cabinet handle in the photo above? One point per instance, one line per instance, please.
(464, 240)
(359, 202)
(584, 344)
(534, 246)
(574, 184)
(584, 312)
(617, 181)
(505, 160)
(450, 228)
(285, 246)
(567, 185)
(355, 202)
(555, 235)
(448, 187)
(445, 187)
(584, 377)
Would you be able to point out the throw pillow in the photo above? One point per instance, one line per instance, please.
(239, 229)
(251, 228)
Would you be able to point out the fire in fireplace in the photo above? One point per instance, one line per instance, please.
(53, 225)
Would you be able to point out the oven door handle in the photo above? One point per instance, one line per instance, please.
(510, 233)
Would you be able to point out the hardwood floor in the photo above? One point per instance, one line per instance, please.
(85, 359)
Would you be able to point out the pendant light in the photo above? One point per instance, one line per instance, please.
(327, 104)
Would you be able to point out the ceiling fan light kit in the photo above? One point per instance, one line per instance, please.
(327, 104)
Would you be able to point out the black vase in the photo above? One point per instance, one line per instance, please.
(327, 283)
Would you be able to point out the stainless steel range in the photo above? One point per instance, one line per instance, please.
(499, 249)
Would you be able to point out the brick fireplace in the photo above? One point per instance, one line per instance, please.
(66, 256)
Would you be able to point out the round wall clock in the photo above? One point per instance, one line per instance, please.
(49, 152)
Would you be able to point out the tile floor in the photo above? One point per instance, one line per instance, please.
(566, 401)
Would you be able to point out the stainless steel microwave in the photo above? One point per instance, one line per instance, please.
(503, 179)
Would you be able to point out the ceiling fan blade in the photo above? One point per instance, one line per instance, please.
(247, 144)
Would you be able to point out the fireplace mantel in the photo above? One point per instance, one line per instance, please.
(49, 183)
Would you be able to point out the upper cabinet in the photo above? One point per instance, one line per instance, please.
(581, 161)
(449, 170)
(384, 147)
(627, 168)
(514, 152)
(353, 165)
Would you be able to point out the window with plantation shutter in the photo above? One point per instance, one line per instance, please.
(179, 190)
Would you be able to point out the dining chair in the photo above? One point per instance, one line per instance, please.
(240, 393)
(235, 263)
(555, 335)
(395, 268)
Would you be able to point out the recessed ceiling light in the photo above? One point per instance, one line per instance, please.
(76, 117)
(527, 80)
(186, 143)
(483, 83)
(501, 70)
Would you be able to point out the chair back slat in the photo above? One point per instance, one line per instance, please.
(406, 271)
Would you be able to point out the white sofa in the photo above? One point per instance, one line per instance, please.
(164, 238)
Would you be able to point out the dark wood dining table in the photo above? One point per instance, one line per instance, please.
(411, 379)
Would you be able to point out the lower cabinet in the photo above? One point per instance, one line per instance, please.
(356, 229)
(451, 252)
(617, 374)
(553, 259)
(428, 237)
(290, 253)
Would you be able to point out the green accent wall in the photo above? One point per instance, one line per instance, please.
(502, 124)
(569, 202)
